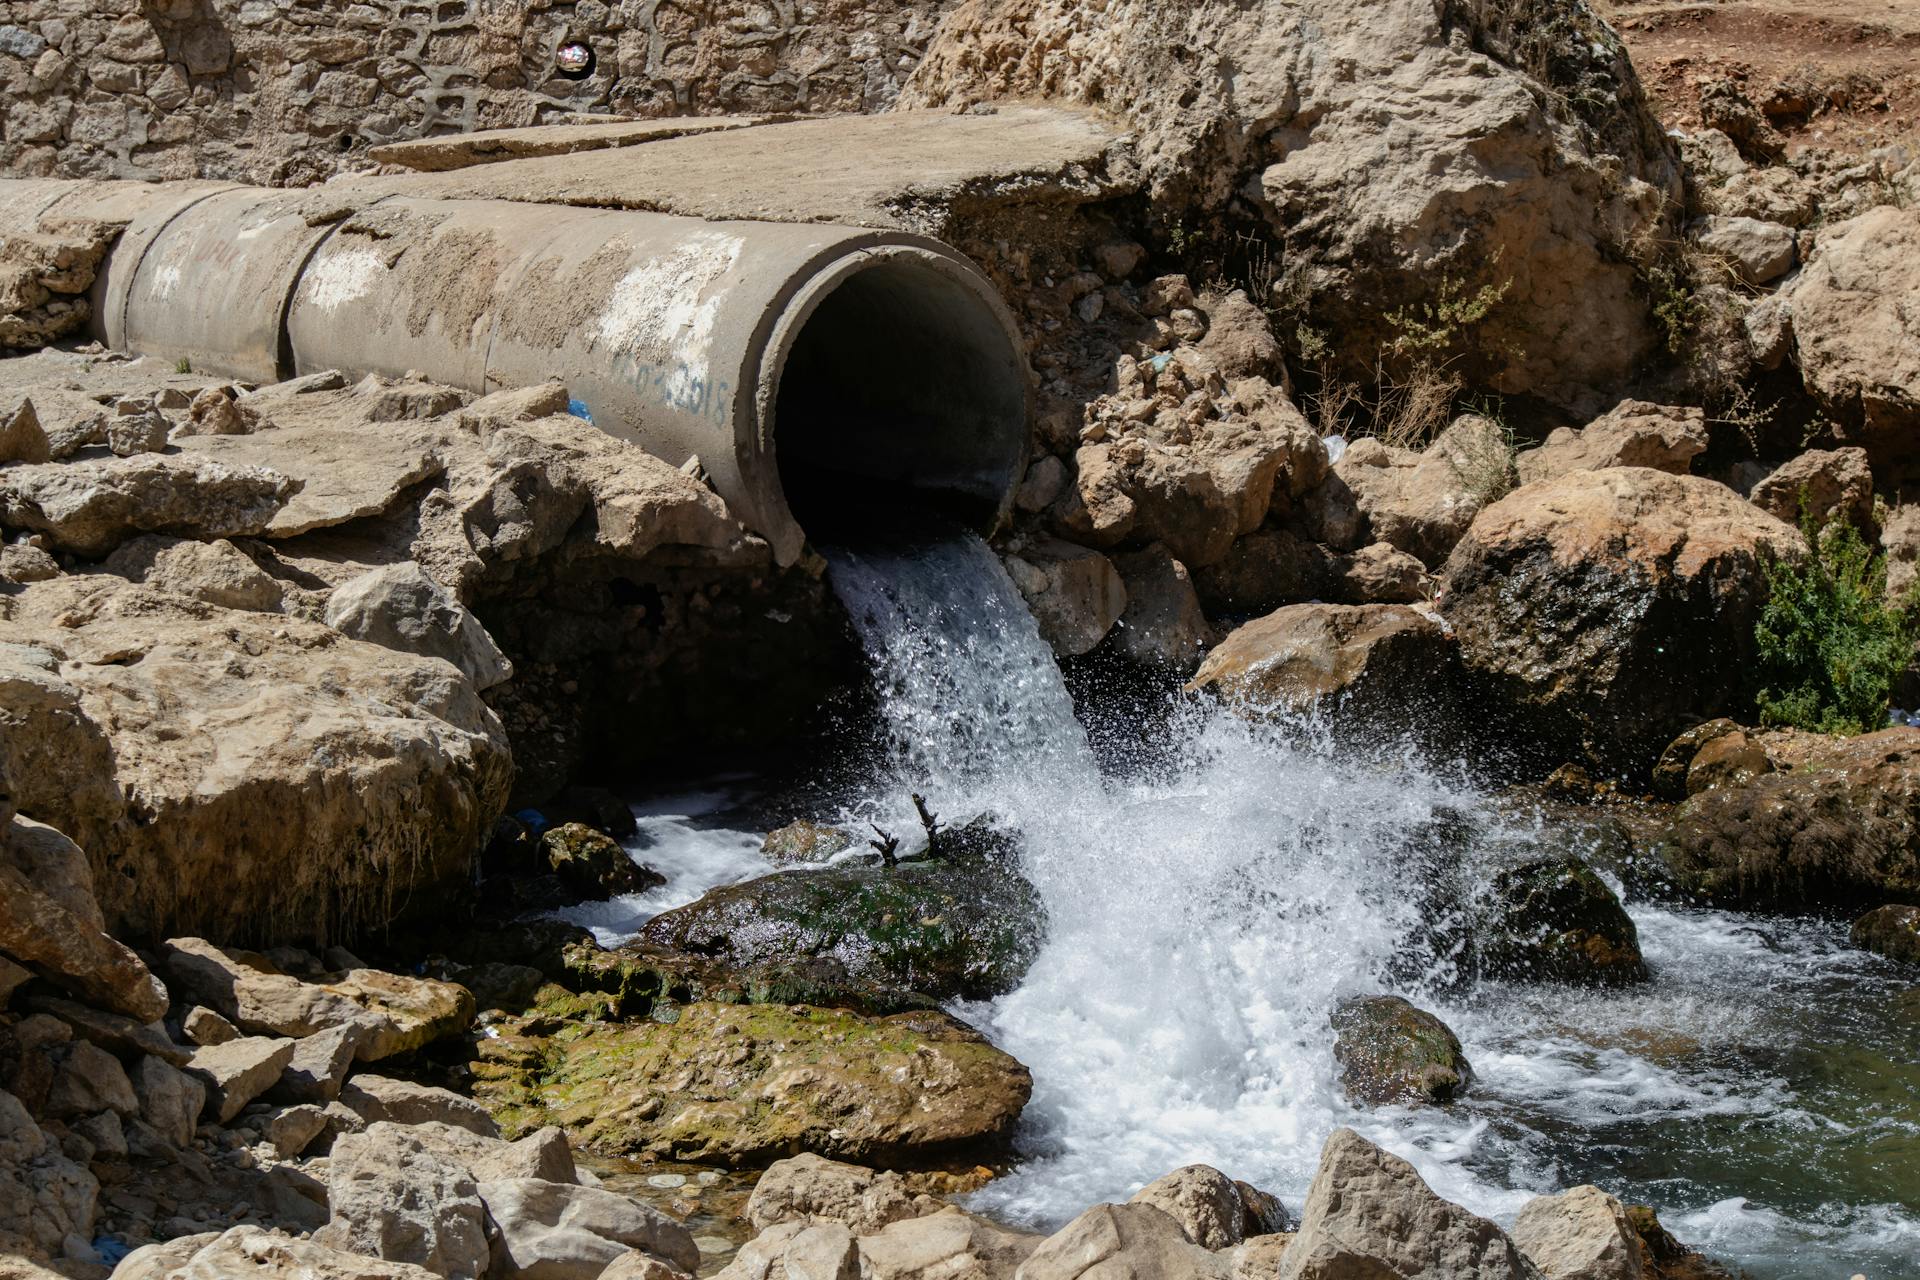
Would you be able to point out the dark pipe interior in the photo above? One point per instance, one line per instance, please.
(901, 391)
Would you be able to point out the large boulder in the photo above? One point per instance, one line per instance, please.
(1215, 1211)
(1893, 931)
(265, 1255)
(1368, 665)
(1581, 1234)
(745, 1084)
(951, 1242)
(1555, 920)
(390, 1196)
(1316, 106)
(1122, 1240)
(1390, 1051)
(319, 782)
(1634, 433)
(1609, 610)
(1421, 502)
(809, 1188)
(1837, 822)
(387, 1012)
(1074, 593)
(1855, 332)
(960, 927)
(1370, 1213)
(402, 608)
(51, 921)
(49, 1197)
(90, 507)
(1819, 485)
(555, 1231)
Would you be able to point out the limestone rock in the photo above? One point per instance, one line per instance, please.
(1756, 252)
(1162, 625)
(1379, 574)
(1369, 1213)
(237, 1072)
(90, 507)
(1422, 502)
(170, 1100)
(88, 1079)
(1356, 662)
(264, 1255)
(1580, 1234)
(1532, 206)
(1892, 931)
(22, 438)
(1263, 571)
(1044, 482)
(50, 920)
(1136, 1240)
(319, 1065)
(1900, 540)
(1555, 920)
(1076, 594)
(1634, 433)
(291, 1130)
(389, 1013)
(951, 1242)
(317, 779)
(1856, 337)
(49, 1196)
(1820, 484)
(339, 471)
(12, 978)
(21, 563)
(1611, 609)
(809, 1188)
(216, 572)
(203, 1026)
(874, 1090)
(826, 1251)
(1209, 1206)
(1391, 1052)
(552, 1231)
(377, 1098)
(542, 1154)
(401, 608)
(1838, 826)
(391, 1197)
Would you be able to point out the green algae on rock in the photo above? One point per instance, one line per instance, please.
(1390, 1051)
(963, 927)
(747, 1084)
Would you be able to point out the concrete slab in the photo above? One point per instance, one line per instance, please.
(908, 170)
(490, 146)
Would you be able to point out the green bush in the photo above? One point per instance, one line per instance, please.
(1830, 642)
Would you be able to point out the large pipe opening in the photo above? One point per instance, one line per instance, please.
(904, 389)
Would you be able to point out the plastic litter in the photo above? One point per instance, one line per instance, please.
(1336, 445)
(578, 408)
(111, 1249)
(534, 820)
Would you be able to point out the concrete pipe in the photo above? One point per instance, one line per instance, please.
(817, 371)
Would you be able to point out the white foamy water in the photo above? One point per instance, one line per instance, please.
(1213, 898)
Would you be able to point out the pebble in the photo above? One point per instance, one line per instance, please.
(667, 1181)
(707, 1179)
(720, 1244)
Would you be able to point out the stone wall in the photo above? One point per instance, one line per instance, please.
(293, 91)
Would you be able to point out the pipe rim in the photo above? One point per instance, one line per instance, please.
(756, 432)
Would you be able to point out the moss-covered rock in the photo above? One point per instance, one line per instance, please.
(1389, 1051)
(592, 863)
(641, 981)
(1556, 920)
(964, 926)
(1892, 931)
(746, 1084)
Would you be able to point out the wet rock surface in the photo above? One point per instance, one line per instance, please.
(965, 925)
(1389, 1051)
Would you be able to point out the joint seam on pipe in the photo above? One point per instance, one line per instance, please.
(133, 270)
(283, 361)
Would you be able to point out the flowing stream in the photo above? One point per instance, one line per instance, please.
(1216, 887)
